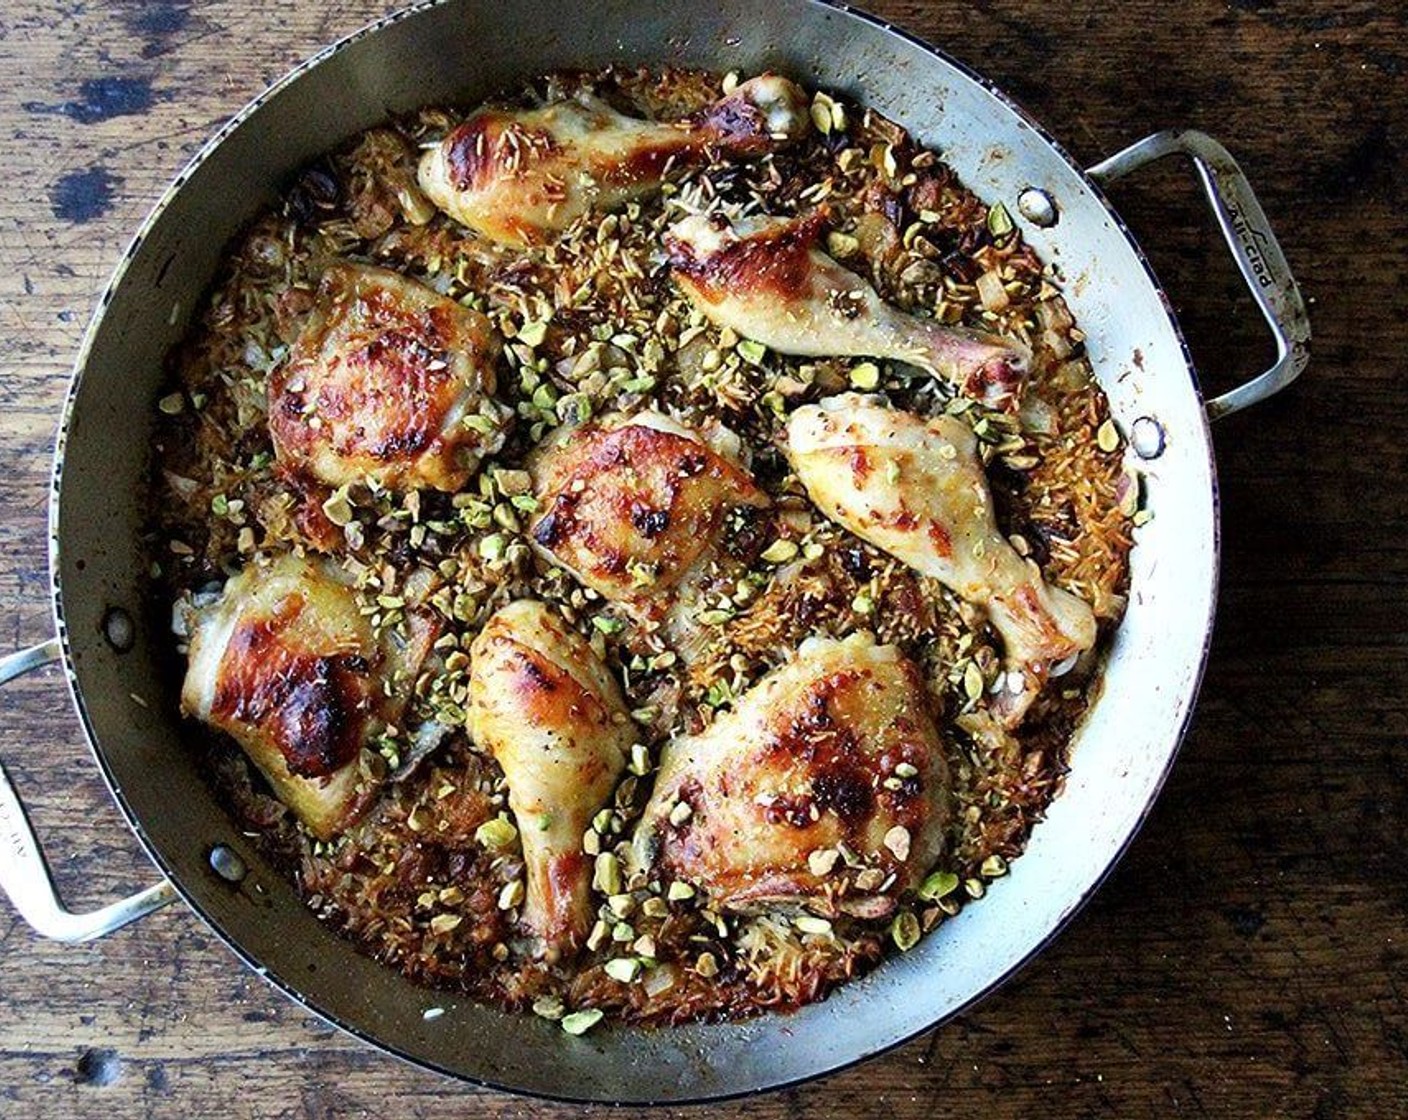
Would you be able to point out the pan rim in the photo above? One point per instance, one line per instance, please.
(1178, 729)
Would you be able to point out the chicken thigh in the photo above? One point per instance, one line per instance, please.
(836, 749)
(388, 381)
(543, 704)
(635, 508)
(766, 279)
(519, 176)
(917, 490)
(287, 665)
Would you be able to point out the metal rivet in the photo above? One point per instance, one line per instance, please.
(227, 864)
(119, 629)
(1146, 436)
(1038, 207)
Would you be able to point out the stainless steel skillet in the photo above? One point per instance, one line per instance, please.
(458, 50)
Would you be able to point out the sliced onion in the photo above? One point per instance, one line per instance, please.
(428, 736)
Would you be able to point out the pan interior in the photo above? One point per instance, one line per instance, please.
(460, 50)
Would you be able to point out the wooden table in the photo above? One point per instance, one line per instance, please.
(1248, 957)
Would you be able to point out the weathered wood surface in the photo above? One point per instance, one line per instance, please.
(1250, 956)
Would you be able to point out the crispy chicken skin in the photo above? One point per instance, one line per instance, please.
(287, 665)
(520, 176)
(633, 506)
(836, 747)
(380, 383)
(917, 490)
(543, 704)
(766, 279)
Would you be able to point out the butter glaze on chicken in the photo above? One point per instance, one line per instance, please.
(806, 762)
(287, 665)
(547, 709)
(766, 279)
(916, 489)
(388, 381)
(520, 176)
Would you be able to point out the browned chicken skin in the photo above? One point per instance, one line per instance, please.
(388, 381)
(837, 747)
(286, 664)
(543, 704)
(520, 176)
(634, 507)
(766, 279)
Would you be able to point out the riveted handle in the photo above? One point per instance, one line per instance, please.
(1254, 247)
(24, 876)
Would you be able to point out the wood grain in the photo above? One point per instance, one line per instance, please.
(1249, 958)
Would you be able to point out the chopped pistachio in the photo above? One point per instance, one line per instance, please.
(999, 220)
(532, 334)
(444, 923)
(607, 876)
(897, 841)
(865, 376)
(707, 965)
(904, 930)
(492, 547)
(870, 878)
(337, 508)
(752, 352)
(511, 895)
(679, 891)
(842, 245)
(822, 860)
(1107, 437)
(580, 1022)
(513, 482)
(173, 404)
(622, 969)
(549, 1007)
(780, 551)
(497, 833)
(993, 867)
(973, 684)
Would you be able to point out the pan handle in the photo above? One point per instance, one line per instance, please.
(24, 876)
(1248, 235)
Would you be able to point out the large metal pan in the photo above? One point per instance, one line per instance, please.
(112, 646)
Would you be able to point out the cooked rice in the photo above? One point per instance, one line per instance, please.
(410, 883)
